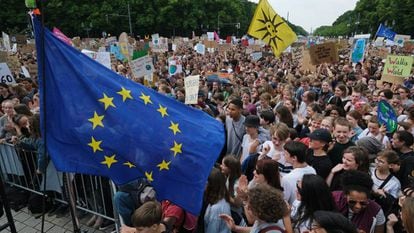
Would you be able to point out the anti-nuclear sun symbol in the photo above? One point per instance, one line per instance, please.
(271, 28)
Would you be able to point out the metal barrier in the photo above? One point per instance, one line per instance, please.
(92, 194)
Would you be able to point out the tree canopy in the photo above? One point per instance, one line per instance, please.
(167, 17)
(367, 16)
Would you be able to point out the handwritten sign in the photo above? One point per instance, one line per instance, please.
(399, 66)
(322, 53)
(191, 84)
(297, 54)
(400, 39)
(142, 66)
(307, 65)
(381, 52)
(5, 74)
(409, 46)
(6, 41)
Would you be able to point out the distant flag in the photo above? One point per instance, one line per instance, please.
(216, 37)
(101, 123)
(269, 27)
(59, 34)
(385, 32)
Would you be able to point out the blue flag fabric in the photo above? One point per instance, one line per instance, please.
(385, 32)
(100, 123)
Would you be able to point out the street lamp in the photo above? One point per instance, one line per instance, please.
(87, 28)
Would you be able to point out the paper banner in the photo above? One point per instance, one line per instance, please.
(142, 66)
(322, 53)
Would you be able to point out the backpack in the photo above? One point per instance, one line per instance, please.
(272, 229)
(35, 203)
(140, 191)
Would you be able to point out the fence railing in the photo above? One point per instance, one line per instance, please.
(92, 194)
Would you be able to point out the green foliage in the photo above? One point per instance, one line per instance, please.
(167, 17)
(370, 13)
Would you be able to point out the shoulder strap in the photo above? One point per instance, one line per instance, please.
(271, 228)
(235, 132)
(385, 181)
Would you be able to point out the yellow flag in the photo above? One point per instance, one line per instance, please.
(269, 27)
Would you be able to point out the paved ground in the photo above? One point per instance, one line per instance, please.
(27, 223)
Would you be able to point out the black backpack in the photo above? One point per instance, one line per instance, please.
(35, 203)
(140, 191)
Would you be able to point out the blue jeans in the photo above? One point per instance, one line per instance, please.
(125, 206)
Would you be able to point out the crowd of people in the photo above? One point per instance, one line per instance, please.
(304, 152)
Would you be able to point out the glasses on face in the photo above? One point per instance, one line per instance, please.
(379, 161)
(362, 203)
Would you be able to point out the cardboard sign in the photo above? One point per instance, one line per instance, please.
(379, 52)
(322, 53)
(224, 48)
(297, 54)
(399, 66)
(307, 64)
(3, 56)
(27, 48)
(210, 44)
(18, 39)
(142, 66)
(5, 74)
(192, 85)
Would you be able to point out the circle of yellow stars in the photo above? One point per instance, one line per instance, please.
(97, 121)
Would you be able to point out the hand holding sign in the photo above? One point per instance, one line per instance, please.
(386, 116)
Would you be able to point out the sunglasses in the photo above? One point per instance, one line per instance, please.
(362, 203)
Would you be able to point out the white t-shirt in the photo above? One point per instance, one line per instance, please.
(289, 182)
(392, 187)
(246, 143)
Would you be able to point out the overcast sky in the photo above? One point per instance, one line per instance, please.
(311, 13)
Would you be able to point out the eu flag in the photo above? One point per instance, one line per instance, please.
(385, 32)
(100, 123)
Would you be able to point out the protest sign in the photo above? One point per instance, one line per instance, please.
(249, 51)
(5, 74)
(6, 41)
(342, 44)
(18, 39)
(297, 54)
(3, 56)
(25, 72)
(379, 42)
(210, 36)
(174, 67)
(400, 39)
(224, 48)
(210, 44)
(307, 64)
(399, 66)
(358, 51)
(381, 52)
(200, 49)
(110, 41)
(123, 45)
(103, 58)
(192, 85)
(387, 116)
(155, 39)
(322, 53)
(142, 66)
(27, 48)
(256, 56)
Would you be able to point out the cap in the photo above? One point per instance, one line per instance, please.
(252, 121)
(321, 135)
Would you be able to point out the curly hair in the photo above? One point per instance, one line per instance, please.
(354, 180)
(267, 203)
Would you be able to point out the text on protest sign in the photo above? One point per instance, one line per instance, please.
(5, 74)
(142, 66)
(192, 85)
(398, 66)
(297, 54)
(322, 53)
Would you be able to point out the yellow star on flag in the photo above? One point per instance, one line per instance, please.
(96, 120)
(149, 176)
(176, 148)
(269, 27)
(96, 145)
(174, 128)
(162, 110)
(107, 101)
(145, 98)
(126, 94)
(164, 165)
(109, 160)
(129, 164)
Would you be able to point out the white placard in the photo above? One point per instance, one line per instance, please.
(5, 74)
(142, 66)
(191, 84)
(25, 72)
(6, 41)
(256, 56)
(155, 39)
(210, 36)
(103, 58)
